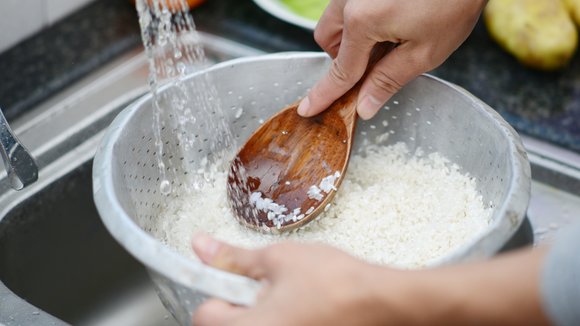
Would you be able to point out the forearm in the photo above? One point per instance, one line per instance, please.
(501, 291)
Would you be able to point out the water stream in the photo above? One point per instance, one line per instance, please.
(173, 49)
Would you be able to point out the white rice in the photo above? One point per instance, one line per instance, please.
(392, 209)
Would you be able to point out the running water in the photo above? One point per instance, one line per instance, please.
(173, 49)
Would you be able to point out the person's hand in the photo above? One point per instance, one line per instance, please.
(427, 32)
(304, 284)
(314, 284)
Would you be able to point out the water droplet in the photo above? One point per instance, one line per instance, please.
(165, 187)
(181, 68)
(177, 53)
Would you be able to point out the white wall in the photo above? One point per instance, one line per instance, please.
(20, 19)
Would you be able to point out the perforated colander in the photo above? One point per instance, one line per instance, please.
(427, 112)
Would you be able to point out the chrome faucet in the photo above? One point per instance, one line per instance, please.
(20, 165)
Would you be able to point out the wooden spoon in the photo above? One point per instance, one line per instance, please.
(288, 155)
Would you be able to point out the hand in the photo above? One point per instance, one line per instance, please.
(314, 284)
(305, 284)
(427, 31)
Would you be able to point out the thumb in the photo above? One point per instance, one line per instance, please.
(225, 257)
(393, 71)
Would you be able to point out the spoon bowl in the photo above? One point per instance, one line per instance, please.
(289, 170)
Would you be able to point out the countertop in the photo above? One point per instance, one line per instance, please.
(543, 105)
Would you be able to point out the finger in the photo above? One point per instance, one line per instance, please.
(396, 69)
(223, 256)
(345, 71)
(328, 31)
(216, 312)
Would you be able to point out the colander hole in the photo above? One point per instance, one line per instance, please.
(418, 109)
(395, 102)
(387, 108)
(428, 122)
(412, 100)
(409, 113)
(240, 97)
(230, 92)
(276, 84)
(394, 117)
(163, 128)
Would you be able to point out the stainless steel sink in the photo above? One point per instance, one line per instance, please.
(58, 264)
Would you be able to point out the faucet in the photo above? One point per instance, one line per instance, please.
(20, 165)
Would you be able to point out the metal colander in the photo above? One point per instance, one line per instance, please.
(427, 113)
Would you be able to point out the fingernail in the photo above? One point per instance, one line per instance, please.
(304, 106)
(368, 107)
(205, 244)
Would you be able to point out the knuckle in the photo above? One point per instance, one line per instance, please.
(338, 73)
(385, 83)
